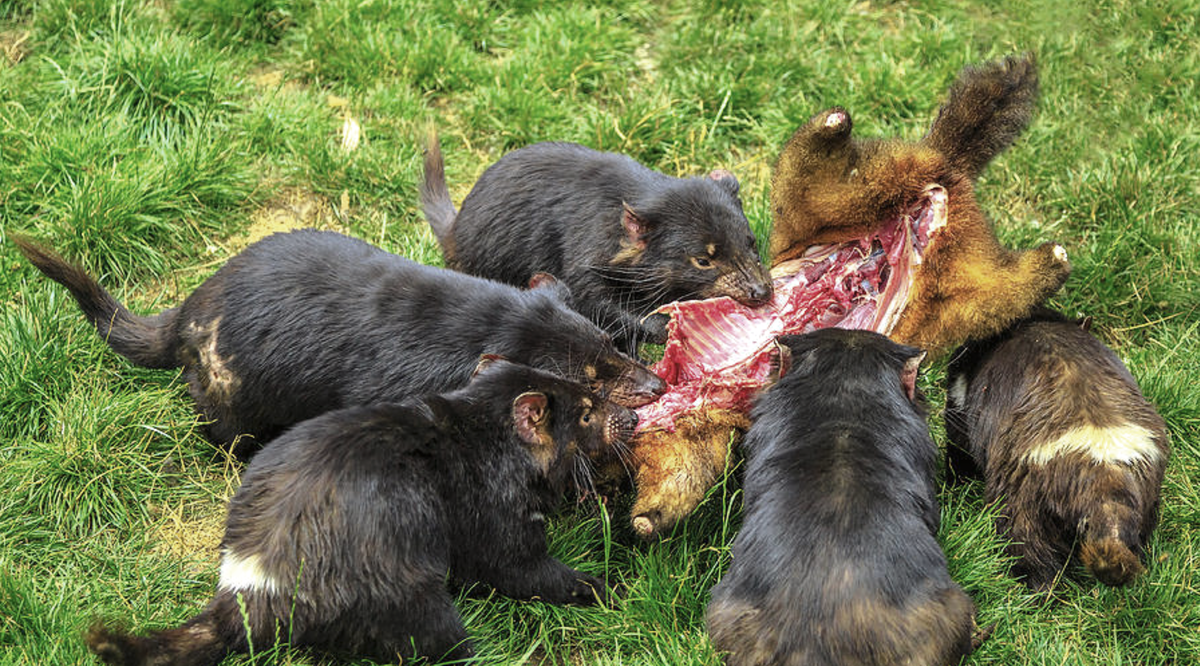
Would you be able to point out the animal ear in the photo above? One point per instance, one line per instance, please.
(542, 279)
(1085, 323)
(486, 361)
(635, 227)
(726, 180)
(781, 361)
(529, 416)
(794, 355)
(908, 376)
(988, 108)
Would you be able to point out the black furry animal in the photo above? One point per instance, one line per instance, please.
(345, 529)
(305, 322)
(836, 562)
(625, 239)
(1065, 440)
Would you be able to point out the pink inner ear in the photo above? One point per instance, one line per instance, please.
(529, 410)
(781, 362)
(720, 174)
(635, 229)
(542, 279)
(908, 377)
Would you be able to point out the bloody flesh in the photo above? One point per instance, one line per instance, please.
(720, 352)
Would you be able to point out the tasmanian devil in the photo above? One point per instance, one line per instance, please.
(304, 322)
(345, 529)
(836, 562)
(1065, 440)
(625, 238)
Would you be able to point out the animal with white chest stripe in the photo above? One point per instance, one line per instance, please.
(1064, 438)
(346, 528)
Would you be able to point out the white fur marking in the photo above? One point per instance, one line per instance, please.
(244, 574)
(1127, 444)
(958, 391)
(1060, 253)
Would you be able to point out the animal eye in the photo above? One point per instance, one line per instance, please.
(586, 419)
(702, 262)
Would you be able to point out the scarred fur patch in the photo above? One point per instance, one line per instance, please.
(218, 380)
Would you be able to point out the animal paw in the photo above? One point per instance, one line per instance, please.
(589, 590)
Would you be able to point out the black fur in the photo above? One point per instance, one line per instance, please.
(566, 209)
(305, 322)
(358, 517)
(146, 341)
(1011, 397)
(836, 562)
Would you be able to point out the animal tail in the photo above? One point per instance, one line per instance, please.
(988, 108)
(146, 341)
(1104, 552)
(435, 198)
(197, 643)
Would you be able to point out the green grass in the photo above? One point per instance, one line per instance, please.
(148, 140)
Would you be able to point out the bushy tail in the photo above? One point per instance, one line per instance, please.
(146, 341)
(196, 643)
(989, 106)
(1104, 552)
(435, 198)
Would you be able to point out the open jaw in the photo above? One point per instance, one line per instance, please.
(720, 352)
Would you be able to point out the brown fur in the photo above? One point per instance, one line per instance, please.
(870, 632)
(1014, 396)
(673, 470)
(828, 187)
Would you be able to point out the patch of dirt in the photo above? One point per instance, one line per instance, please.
(191, 531)
(273, 78)
(15, 46)
(293, 208)
(191, 535)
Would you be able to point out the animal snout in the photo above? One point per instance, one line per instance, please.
(749, 285)
(756, 287)
(621, 424)
(759, 293)
(637, 388)
(652, 385)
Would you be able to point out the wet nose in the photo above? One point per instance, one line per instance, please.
(760, 293)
